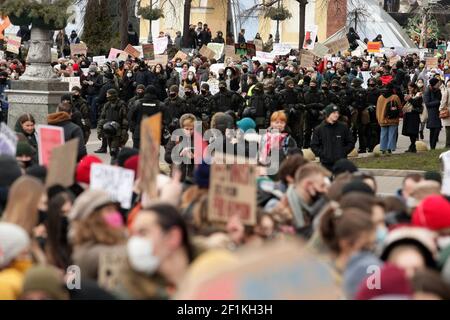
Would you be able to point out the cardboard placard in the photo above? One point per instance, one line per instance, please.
(251, 50)
(320, 50)
(132, 51)
(114, 54)
(264, 57)
(116, 181)
(78, 49)
(338, 45)
(62, 164)
(306, 60)
(149, 52)
(73, 82)
(432, 62)
(284, 270)
(100, 60)
(232, 191)
(13, 44)
(207, 52)
(310, 37)
(159, 58)
(8, 141)
(217, 48)
(373, 47)
(49, 137)
(258, 44)
(281, 49)
(149, 154)
(160, 44)
(110, 268)
(230, 54)
(445, 160)
(180, 54)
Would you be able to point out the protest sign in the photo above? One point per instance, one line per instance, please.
(258, 44)
(230, 54)
(281, 49)
(114, 54)
(159, 58)
(339, 45)
(214, 68)
(123, 56)
(13, 44)
(73, 82)
(366, 76)
(306, 60)
(441, 49)
(310, 37)
(63, 162)
(232, 191)
(149, 52)
(213, 86)
(432, 62)
(100, 60)
(373, 47)
(284, 270)
(116, 181)
(78, 49)
(393, 60)
(110, 268)
(8, 141)
(217, 48)
(49, 137)
(264, 57)
(240, 49)
(85, 71)
(180, 54)
(400, 51)
(149, 154)
(251, 50)
(320, 50)
(132, 51)
(445, 161)
(207, 52)
(160, 44)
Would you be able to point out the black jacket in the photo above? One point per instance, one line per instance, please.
(146, 107)
(314, 103)
(172, 111)
(224, 101)
(432, 100)
(332, 142)
(102, 95)
(292, 103)
(187, 169)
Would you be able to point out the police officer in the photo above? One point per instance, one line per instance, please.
(225, 100)
(258, 108)
(273, 98)
(78, 103)
(140, 90)
(360, 115)
(373, 93)
(206, 102)
(192, 102)
(345, 101)
(112, 126)
(314, 104)
(294, 108)
(173, 109)
(148, 106)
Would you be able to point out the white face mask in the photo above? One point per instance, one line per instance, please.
(140, 255)
(229, 73)
(129, 75)
(190, 77)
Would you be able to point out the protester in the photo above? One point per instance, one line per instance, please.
(432, 99)
(411, 115)
(388, 115)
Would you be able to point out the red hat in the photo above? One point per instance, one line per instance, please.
(270, 67)
(393, 283)
(75, 67)
(83, 173)
(432, 213)
(132, 163)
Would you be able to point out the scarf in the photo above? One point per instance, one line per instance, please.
(272, 141)
(296, 206)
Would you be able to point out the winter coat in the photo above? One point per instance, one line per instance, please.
(292, 103)
(81, 105)
(187, 169)
(31, 138)
(259, 110)
(224, 101)
(71, 130)
(445, 104)
(177, 42)
(145, 107)
(127, 89)
(94, 89)
(143, 77)
(411, 120)
(173, 109)
(205, 37)
(110, 84)
(218, 40)
(332, 142)
(432, 100)
(192, 105)
(11, 281)
(314, 103)
(382, 105)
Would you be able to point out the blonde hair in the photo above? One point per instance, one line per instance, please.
(278, 115)
(23, 201)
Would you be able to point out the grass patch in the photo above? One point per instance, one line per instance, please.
(425, 161)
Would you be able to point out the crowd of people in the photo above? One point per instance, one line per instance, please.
(332, 206)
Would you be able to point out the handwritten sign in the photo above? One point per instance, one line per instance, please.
(320, 50)
(281, 49)
(306, 60)
(111, 264)
(432, 62)
(62, 164)
(214, 68)
(338, 45)
(49, 137)
(100, 60)
(159, 58)
(160, 44)
(13, 44)
(207, 52)
(116, 181)
(232, 191)
(78, 49)
(149, 52)
(230, 54)
(213, 86)
(132, 51)
(373, 47)
(8, 140)
(264, 57)
(180, 54)
(73, 82)
(114, 54)
(393, 60)
(217, 48)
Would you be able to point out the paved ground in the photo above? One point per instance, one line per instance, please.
(386, 185)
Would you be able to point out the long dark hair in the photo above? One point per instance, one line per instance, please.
(168, 218)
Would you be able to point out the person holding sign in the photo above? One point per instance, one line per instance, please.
(25, 125)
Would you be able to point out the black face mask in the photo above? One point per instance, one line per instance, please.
(325, 88)
(244, 71)
(3, 80)
(313, 88)
(172, 95)
(335, 88)
(188, 93)
(204, 92)
(222, 89)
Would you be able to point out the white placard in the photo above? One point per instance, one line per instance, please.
(117, 182)
(264, 57)
(366, 77)
(73, 82)
(100, 60)
(217, 48)
(160, 44)
(8, 141)
(214, 68)
(141, 51)
(213, 86)
(311, 35)
(281, 49)
(445, 160)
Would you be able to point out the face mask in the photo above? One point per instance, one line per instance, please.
(140, 255)
(381, 234)
(332, 71)
(190, 77)
(281, 68)
(204, 92)
(313, 88)
(188, 93)
(325, 88)
(129, 75)
(105, 69)
(443, 242)
(229, 73)
(178, 64)
(114, 220)
(335, 88)
(329, 66)
(222, 89)
(244, 70)
(111, 98)
(420, 85)
(172, 95)
(92, 73)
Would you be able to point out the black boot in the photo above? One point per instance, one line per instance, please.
(421, 135)
(101, 150)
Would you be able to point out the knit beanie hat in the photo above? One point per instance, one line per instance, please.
(432, 213)
(433, 82)
(201, 175)
(357, 186)
(88, 202)
(13, 240)
(329, 109)
(9, 170)
(112, 93)
(124, 154)
(246, 124)
(24, 149)
(344, 165)
(83, 172)
(140, 87)
(37, 171)
(45, 279)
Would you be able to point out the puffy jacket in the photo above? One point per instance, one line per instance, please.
(332, 142)
(314, 102)
(292, 102)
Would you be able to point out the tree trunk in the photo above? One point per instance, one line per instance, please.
(186, 21)
(123, 23)
(302, 12)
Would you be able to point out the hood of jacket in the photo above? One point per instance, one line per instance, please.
(58, 117)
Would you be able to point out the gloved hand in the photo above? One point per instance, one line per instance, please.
(99, 136)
